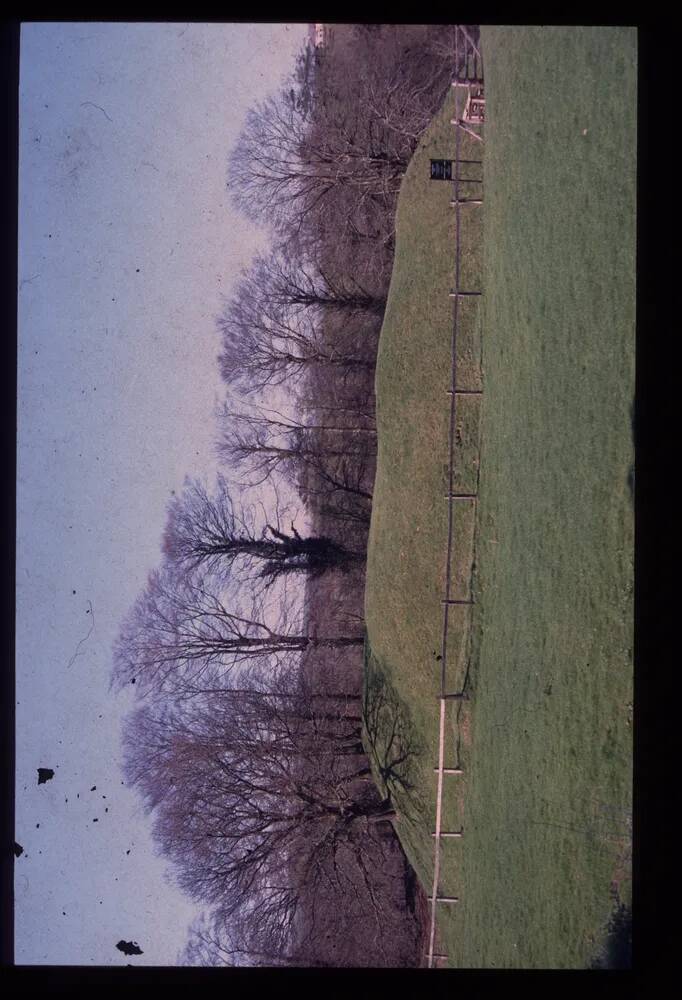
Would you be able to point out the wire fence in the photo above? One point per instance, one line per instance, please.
(467, 80)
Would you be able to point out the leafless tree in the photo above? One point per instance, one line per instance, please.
(346, 897)
(302, 282)
(263, 442)
(404, 95)
(239, 938)
(337, 477)
(215, 531)
(340, 488)
(284, 166)
(245, 749)
(206, 944)
(251, 802)
(181, 627)
(267, 341)
(337, 143)
(282, 424)
(361, 411)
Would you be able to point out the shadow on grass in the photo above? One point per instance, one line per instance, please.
(390, 739)
(616, 952)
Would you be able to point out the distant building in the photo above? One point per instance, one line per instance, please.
(319, 35)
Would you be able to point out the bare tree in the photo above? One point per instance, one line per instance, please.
(262, 443)
(206, 945)
(180, 627)
(337, 143)
(214, 940)
(267, 341)
(248, 754)
(239, 938)
(343, 485)
(284, 166)
(216, 531)
(361, 410)
(346, 886)
(250, 803)
(283, 424)
(302, 282)
(405, 94)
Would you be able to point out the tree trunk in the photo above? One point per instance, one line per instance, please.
(340, 641)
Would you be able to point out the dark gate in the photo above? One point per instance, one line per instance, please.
(441, 170)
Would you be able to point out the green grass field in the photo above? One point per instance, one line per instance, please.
(545, 740)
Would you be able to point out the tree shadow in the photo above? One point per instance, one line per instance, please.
(390, 739)
(616, 952)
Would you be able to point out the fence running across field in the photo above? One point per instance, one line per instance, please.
(468, 73)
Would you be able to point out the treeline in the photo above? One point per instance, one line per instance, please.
(247, 742)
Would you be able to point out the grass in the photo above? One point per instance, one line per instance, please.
(545, 740)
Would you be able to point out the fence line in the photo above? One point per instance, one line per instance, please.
(447, 602)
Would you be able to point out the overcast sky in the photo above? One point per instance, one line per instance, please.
(126, 243)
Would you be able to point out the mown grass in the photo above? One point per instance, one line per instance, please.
(546, 739)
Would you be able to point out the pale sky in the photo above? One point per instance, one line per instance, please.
(126, 243)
